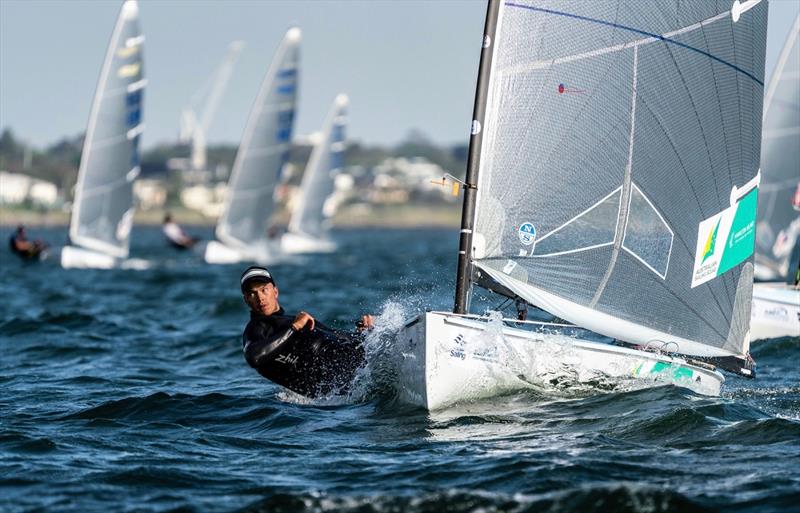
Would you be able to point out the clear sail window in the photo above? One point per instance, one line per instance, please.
(647, 235)
(592, 228)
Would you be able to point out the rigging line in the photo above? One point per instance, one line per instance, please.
(637, 31)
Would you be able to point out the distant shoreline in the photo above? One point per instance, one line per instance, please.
(394, 216)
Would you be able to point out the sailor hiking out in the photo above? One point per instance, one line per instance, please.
(24, 248)
(297, 352)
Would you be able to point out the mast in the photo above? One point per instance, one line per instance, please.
(463, 273)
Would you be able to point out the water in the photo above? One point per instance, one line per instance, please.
(127, 391)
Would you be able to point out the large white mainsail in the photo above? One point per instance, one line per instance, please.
(103, 206)
(778, 223)
(776, 303)
(612, 181)
(615, 133)
(310, 217)
(262, 154)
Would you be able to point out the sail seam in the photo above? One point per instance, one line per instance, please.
(653, 35)
(625, 193)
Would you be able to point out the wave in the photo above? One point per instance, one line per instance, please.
(14, 441)
(620, 498)
(784, 347)
(158, 406)
(238, 415)
(666, 416)
(63, 321)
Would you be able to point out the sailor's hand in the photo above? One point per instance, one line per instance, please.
(367, 322)
(302, 319)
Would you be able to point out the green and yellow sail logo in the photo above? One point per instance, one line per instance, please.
(711, 242)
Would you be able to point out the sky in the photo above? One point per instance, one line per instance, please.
(406, 65)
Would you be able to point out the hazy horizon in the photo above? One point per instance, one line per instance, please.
(415, 72)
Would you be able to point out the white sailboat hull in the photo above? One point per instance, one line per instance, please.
(75, 257)
(447, 362)
(775, 311)
(218, 253)
(298, 243)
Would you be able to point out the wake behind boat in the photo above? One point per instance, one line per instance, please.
(103, 207)
(602, 188)
(776, 298)
(309, 230)
(243, 230)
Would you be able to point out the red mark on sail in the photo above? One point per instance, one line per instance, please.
(562, 88)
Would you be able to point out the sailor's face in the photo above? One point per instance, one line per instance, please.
(262, 298)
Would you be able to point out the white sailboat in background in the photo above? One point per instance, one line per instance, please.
(103, 207)
(309, 230)
(776, 302)
(612, 182)
(242, 229)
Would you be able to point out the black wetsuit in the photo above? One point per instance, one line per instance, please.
(311, 363)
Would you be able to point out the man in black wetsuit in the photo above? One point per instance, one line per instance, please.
(297, 352)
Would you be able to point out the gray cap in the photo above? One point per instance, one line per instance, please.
(255, 273)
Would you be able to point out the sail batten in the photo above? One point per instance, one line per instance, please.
(613, 137)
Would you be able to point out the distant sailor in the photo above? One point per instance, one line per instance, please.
(297, 352)
(23, 248)
(175, 234)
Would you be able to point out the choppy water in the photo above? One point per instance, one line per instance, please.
(127, 391)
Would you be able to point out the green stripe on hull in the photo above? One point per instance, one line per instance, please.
(676, 372)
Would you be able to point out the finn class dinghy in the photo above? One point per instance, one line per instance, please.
(102, 213)
(612, 182)
(243, 230)
(309, 230)
(776, 301)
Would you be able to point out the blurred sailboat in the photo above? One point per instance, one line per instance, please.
(243, 230)
(103, 208)
(776, 301)
(612, 182)
(309, 230)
